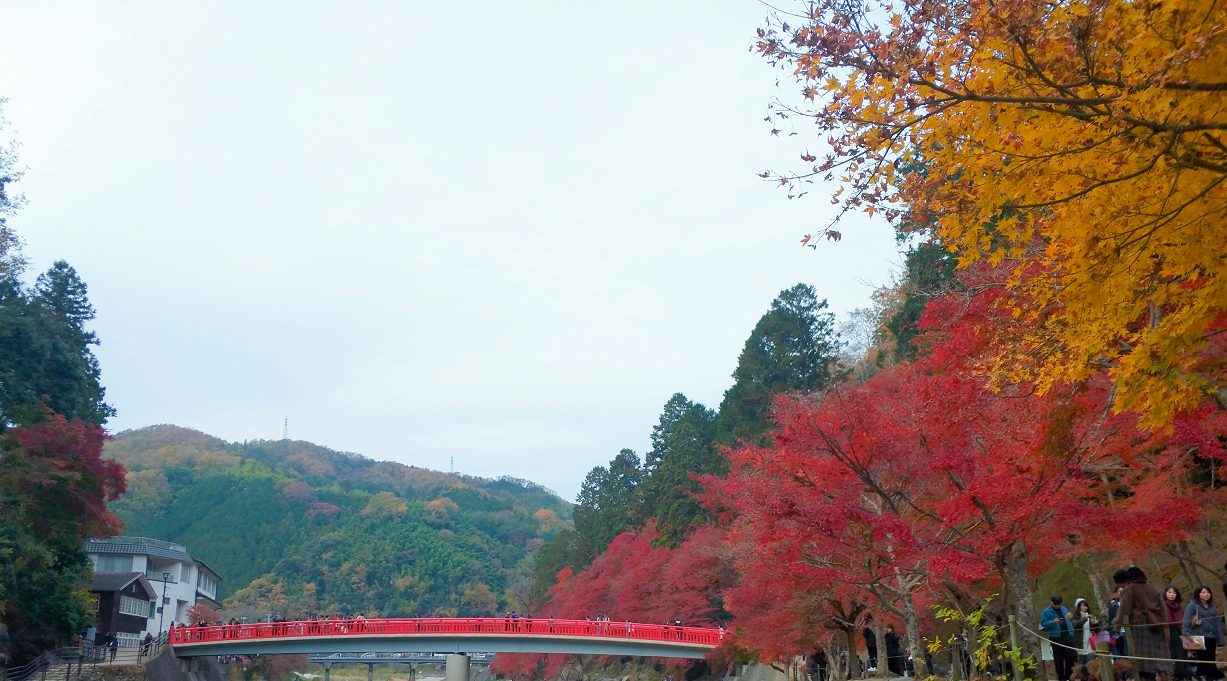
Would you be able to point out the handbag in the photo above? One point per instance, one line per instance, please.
(1193, 642)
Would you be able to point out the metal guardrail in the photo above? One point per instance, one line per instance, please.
(395, 658)
(79, 657)
(539, 627)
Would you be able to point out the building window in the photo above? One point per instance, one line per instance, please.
(185, 574)
(114, 564)
(137, 607)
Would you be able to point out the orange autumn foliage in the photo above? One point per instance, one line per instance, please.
(1081, 142)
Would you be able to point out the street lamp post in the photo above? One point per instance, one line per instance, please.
(162, 605)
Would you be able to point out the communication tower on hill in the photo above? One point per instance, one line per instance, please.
(285, 429)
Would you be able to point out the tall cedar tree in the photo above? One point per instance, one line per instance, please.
(605, 506)
(683, 447)
(46, 361)
(54, 484)
(791, 349)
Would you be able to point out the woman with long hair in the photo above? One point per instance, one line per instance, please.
(1201, 619)
(1174, 609)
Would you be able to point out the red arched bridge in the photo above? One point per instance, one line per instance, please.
(490, 635)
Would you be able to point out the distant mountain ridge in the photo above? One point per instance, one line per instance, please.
(295, 528)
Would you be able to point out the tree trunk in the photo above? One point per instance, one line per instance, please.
(1099, 586)
(914, 644)
(1014, 573)
(1186, 557)
(854, 660)
(832, 651)
(879, 632)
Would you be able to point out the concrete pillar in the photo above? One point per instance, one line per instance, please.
(191, 667)
(370, 672)
(456, 668)
(327, 668)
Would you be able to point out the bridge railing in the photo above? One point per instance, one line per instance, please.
(443, 626)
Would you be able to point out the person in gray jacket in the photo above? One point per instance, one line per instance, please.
(1202, 619)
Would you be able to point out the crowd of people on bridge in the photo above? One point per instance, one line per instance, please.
(339, 623)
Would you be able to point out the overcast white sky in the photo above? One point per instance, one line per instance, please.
(503, 232)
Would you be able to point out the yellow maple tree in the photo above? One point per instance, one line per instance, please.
(1081, 143)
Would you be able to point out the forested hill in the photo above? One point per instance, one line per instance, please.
(295, 528)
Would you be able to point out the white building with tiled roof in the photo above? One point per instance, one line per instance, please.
(179, 580)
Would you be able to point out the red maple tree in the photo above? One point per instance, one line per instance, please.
(925, 482)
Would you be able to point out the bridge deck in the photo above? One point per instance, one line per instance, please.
(522, 635)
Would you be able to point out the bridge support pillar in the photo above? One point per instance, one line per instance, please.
(191, 667)
(370, 672)
(327, 668)
(456, 668)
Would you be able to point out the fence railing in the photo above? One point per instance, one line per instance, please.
(542, 627)
(46, 665)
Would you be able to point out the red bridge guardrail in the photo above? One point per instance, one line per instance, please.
(543, 627)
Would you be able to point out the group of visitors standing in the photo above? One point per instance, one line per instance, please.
(1167, 636)
(895, 660)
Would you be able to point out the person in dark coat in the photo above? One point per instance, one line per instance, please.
(1119, 642)
(1202, 619)
(871, 643)
(1173, 606)
(1141, 609)
(817, 666)
(894, 652)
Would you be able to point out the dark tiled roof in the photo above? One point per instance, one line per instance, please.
(137, 546)
(116, 581)
(206, 568)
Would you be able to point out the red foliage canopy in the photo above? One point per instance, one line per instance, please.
(632, 581)
(62, 479)
(923, 477)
